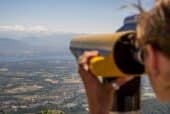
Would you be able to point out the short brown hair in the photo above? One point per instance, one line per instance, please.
(155, 26)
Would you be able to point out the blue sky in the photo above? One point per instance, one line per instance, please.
(77, 16)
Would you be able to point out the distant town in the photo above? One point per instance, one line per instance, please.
(29, 86)
(34, 85)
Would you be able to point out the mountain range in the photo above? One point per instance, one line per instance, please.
(34, 43)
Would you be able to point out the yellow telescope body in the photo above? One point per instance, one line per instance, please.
(117, 54)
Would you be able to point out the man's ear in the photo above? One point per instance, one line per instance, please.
(152, 60)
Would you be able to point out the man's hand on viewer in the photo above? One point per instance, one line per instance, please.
(99, 95)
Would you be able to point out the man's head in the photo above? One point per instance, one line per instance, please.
(153, 32)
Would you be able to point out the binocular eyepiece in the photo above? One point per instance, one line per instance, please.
(118, 53)
(127, 55)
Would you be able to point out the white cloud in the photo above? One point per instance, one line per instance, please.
(38, 28)
(11, 28)
(22, 28)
